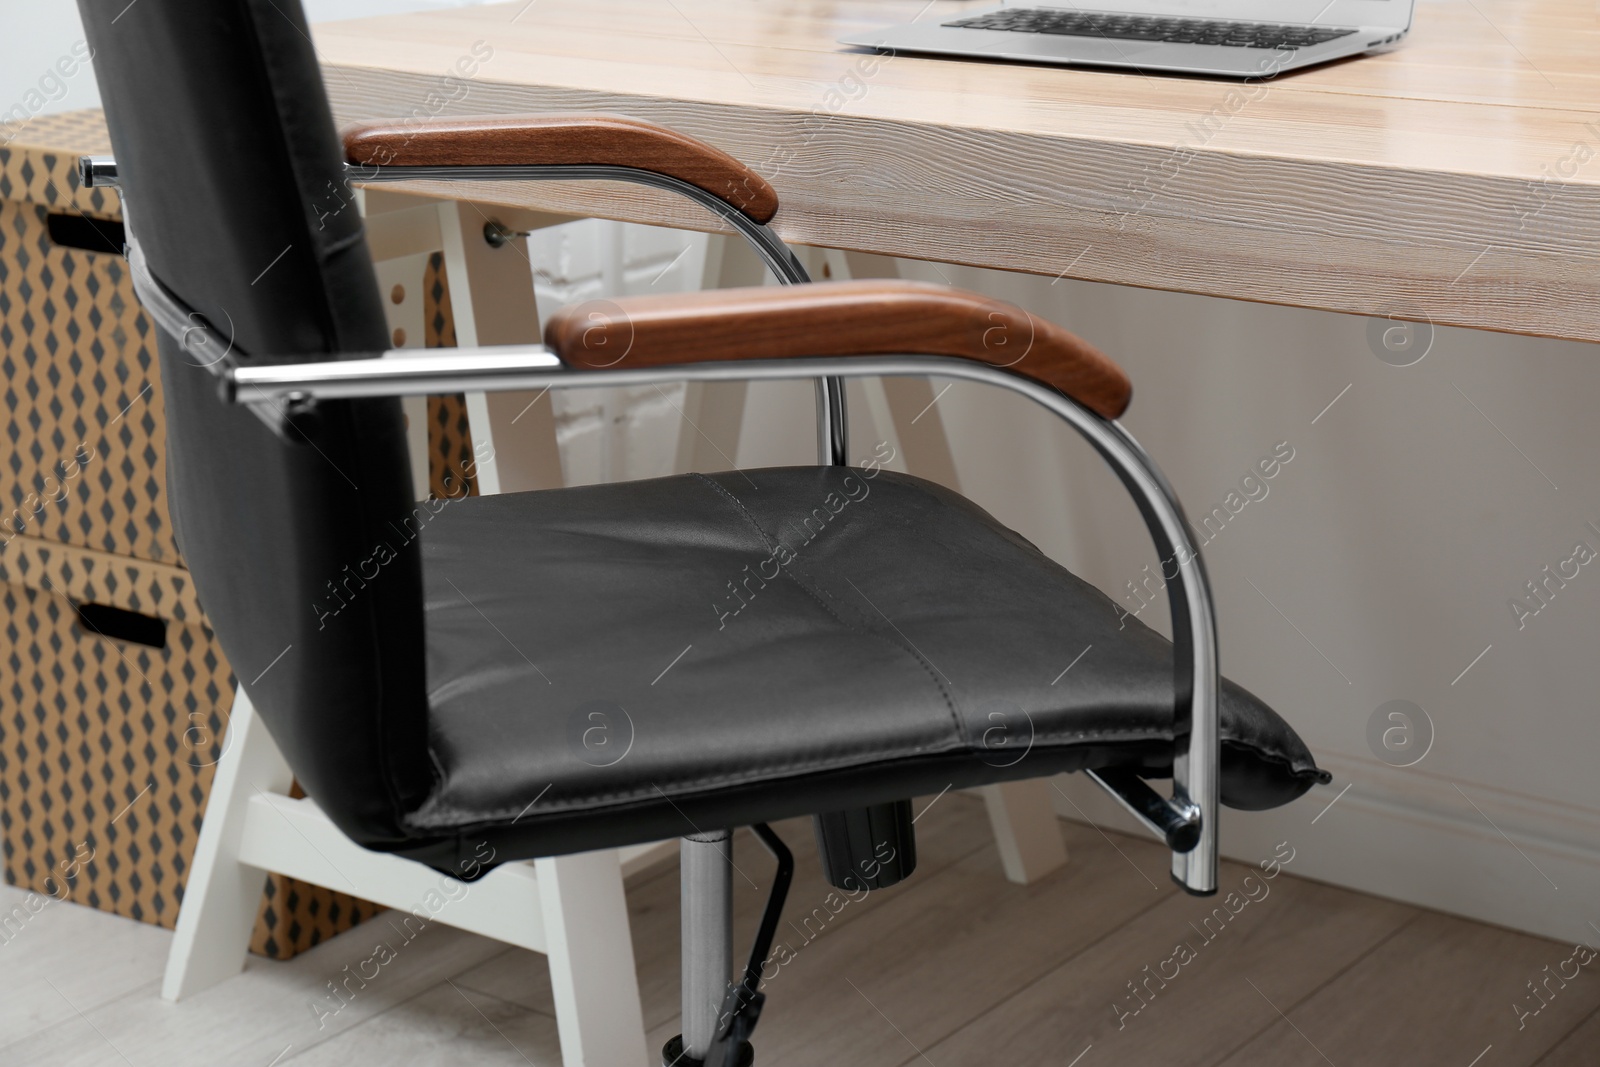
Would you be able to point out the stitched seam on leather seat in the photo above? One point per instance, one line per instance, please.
(928, 668)
(442, 817)
(1298, 768)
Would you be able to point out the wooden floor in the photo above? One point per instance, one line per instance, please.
(956, 967)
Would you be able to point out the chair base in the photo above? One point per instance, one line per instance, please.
(672, 1055)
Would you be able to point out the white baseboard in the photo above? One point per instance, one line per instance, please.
(1417, 839)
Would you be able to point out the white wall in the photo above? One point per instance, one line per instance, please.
(36, 34)
(34, 37)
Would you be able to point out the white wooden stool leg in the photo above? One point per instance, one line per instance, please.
(713, 417)
(590, 949)
(222, 895)
(1026, 830)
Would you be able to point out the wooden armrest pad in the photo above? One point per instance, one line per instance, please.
(561, 140)
(836, 319)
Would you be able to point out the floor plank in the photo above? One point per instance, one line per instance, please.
(1443, 990)
(444, 1026)
(1288, 937)
(57, 959)
(1581, 1048)
(252, 1017)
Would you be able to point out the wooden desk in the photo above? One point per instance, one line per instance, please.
(1454, 180)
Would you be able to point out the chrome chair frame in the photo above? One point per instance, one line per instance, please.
(717, 1014)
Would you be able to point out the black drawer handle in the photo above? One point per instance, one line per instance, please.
(121, 625)
(91, 235)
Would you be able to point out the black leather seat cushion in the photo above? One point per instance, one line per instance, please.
(621, 663)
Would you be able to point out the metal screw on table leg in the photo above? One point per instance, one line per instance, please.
(498, 234)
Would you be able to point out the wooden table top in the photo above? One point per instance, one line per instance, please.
(1455, 179)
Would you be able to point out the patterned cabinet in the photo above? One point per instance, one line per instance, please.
(114, 695)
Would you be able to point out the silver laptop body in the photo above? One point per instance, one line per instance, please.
(1231, 38)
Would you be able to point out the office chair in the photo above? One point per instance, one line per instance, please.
(854, 636)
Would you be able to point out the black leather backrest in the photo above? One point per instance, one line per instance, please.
(229, 161)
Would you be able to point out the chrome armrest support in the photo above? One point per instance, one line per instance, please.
(1188, 820)
(97, 172)
(1176, 821)
(399, 372)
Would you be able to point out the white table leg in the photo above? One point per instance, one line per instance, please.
(222, 895)
(491, 298)
(590, 949)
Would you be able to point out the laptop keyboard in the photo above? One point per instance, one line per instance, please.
(1071, 23)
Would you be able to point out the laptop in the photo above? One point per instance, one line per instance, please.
(1230, 38)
